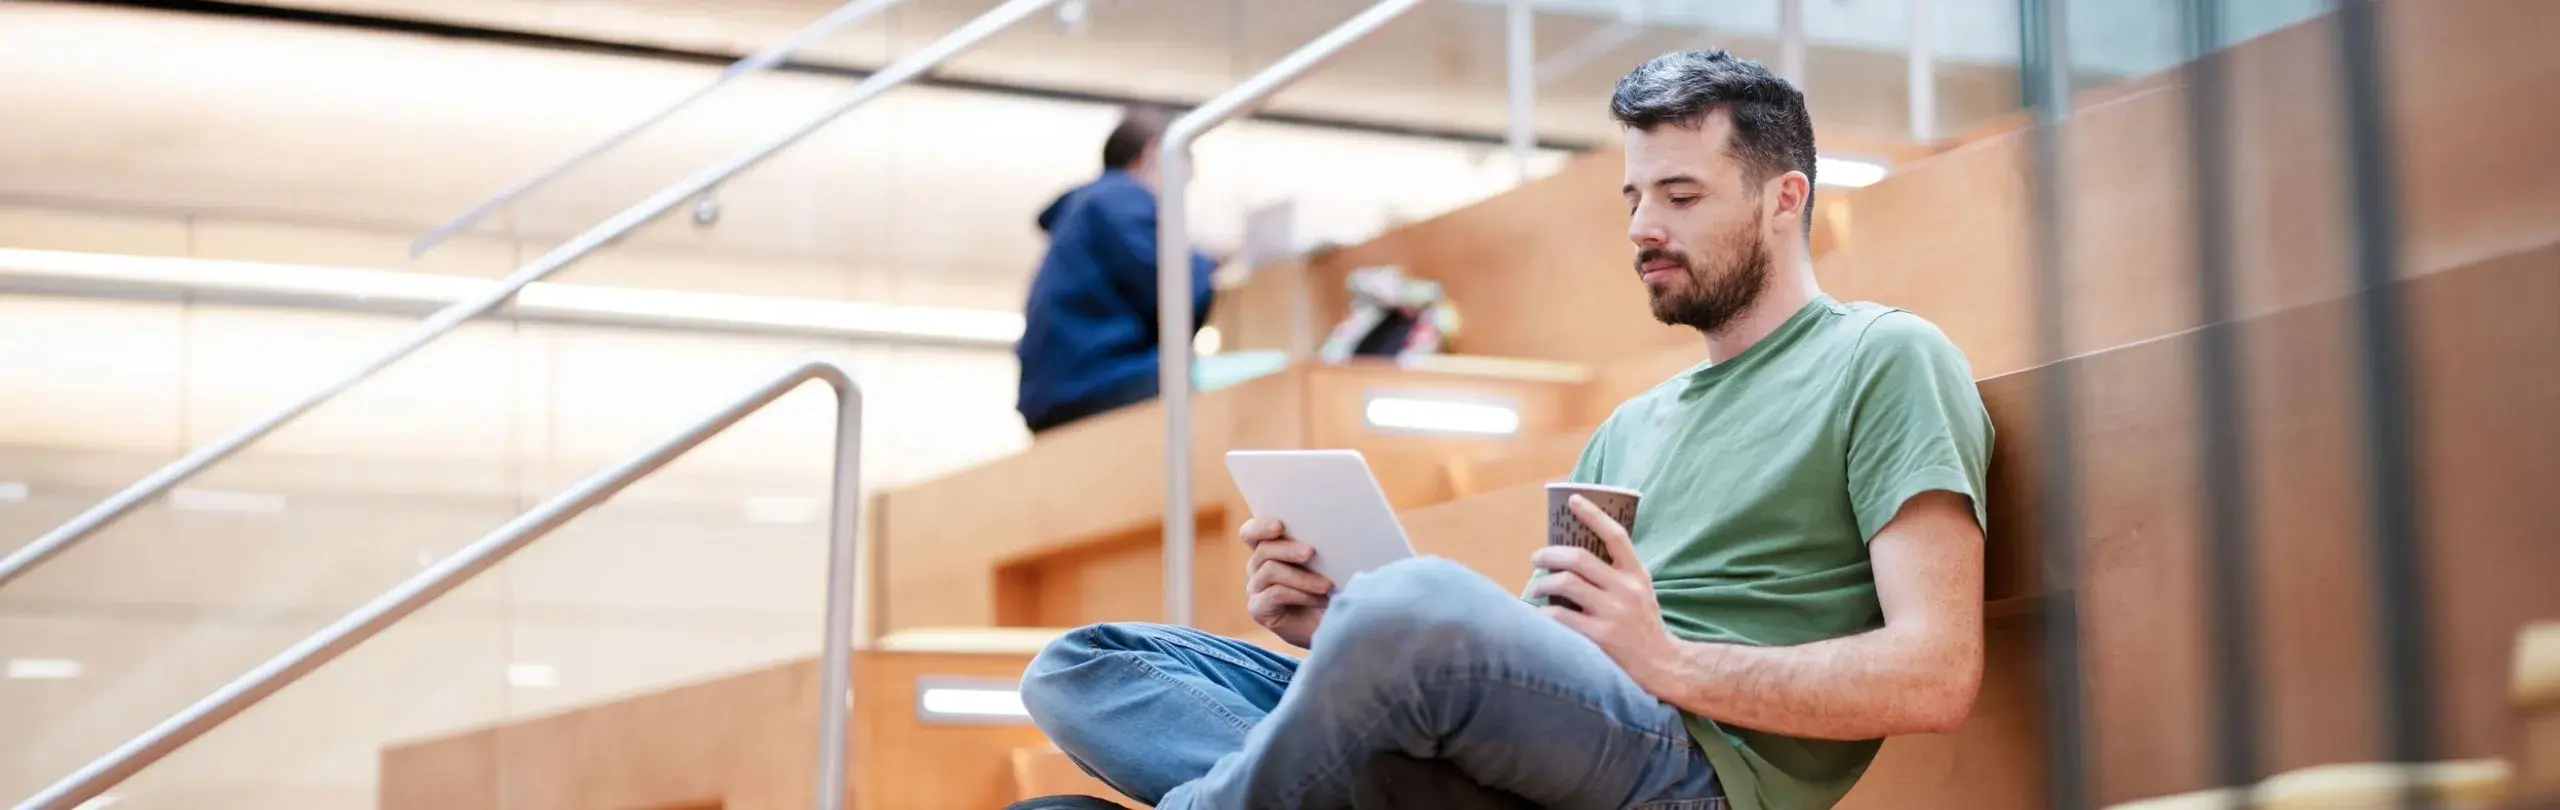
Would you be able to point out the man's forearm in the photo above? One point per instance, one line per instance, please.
(1858, 687)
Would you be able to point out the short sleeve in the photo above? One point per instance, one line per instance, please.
(1915, 421)
(1586, 470)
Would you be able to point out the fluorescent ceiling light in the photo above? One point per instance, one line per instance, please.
(856, 317)
(12, 492)
(44, 669)
(1442, 416)
(532, 676)
(1846, 173)
(573, 301)
(956, 702)
(214, 500)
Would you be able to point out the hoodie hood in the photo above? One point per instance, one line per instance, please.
(1057, 208)
(1049, 216)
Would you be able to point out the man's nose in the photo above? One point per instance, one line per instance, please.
(1644, 231)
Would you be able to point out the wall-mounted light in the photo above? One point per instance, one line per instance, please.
(1423, 413)
(970, 701)
(1846, 173)
(44, 669)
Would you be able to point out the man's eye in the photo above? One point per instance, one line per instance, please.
(1684, 201)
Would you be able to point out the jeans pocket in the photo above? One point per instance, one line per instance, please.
(1716, 803)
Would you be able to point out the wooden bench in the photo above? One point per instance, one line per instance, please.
(2535, 688)
(1069, 532)
(744, 742)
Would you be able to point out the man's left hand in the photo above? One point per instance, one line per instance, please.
(1619, 611)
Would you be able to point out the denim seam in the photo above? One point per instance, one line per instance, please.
(1202, 697)
(1331, 769)
(1223, 655)
(1713, 803)
(1481, 672)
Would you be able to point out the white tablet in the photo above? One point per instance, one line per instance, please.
(1326, 499)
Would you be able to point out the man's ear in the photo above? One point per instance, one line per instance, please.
(1786, 196)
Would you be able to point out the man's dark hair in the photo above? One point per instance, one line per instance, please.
(1772, 133)
(1139, 127)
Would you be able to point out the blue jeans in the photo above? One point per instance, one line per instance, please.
(1422, 657)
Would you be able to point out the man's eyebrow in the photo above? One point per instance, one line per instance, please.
(1676, 179)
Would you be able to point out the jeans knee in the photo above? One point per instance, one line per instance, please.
(1420, 605)
(1049, 684)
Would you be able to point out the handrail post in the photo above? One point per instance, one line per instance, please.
(847, 595)
(845, 15)
(445, 320)
(1173, 279)
(426, 586)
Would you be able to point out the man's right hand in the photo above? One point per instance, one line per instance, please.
(1283, 596)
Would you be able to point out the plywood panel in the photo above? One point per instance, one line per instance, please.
(1538, 272)
(2484, 430)
(1536, 459)
(1273, 311)
(747, 742)
(1101, 480)
(1995, 762)
(1117, 580)
(1492, 533)
(904, 763)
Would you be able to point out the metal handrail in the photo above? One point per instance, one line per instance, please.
(1173, 277)
(445, 320)
(844, 619)
(844, 15)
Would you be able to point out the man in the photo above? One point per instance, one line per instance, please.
(1089, 330)
(1805, 578)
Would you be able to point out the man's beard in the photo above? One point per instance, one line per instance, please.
(1710, 301)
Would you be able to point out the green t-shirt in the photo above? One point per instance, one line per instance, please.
(1763, 479)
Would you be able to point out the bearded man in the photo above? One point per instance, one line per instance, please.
(1804, 580)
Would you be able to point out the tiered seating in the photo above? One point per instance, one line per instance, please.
(1535, 273)
(746, 742)
(2536, 689)
(1069, 532)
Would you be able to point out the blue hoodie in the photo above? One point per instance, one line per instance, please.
(1089, 333)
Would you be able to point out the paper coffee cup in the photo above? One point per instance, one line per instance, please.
(1566, 529)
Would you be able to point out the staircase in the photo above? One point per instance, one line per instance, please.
(974, 570)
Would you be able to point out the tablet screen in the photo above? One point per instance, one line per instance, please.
(1327, 499)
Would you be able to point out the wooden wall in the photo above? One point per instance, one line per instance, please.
(1536, 271)
(2487, 448)
(747, 742)
(1070, 532)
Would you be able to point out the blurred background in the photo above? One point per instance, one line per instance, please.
(291, 154)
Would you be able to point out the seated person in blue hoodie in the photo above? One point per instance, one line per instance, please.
(1089, 337)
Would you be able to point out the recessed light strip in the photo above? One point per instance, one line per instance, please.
(1418, 414)
(969, 701)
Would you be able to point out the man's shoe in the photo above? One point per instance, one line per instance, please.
(1064, 803)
